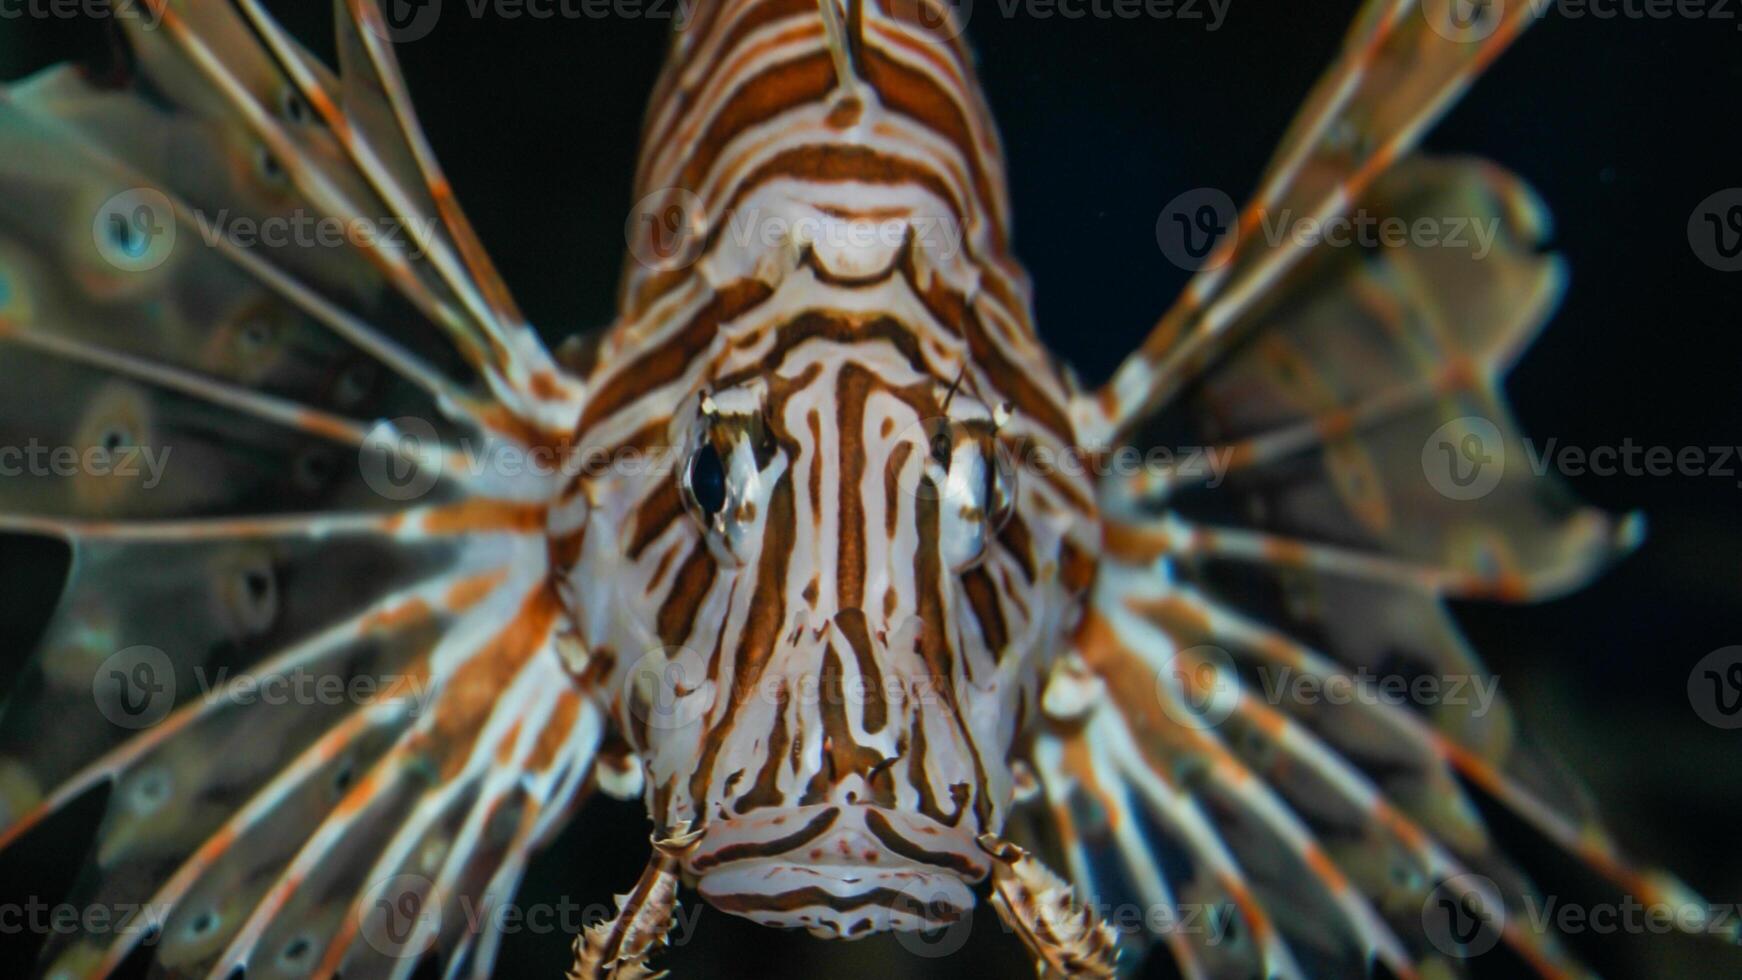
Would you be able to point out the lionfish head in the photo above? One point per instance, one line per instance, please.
(845, 626)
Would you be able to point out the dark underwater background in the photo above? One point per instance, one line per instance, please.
(1623, 126)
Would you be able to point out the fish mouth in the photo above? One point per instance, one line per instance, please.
(840, 872)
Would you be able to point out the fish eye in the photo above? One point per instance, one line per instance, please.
(940, 444)
(979, 494)
(1000, 490)
(705, 484)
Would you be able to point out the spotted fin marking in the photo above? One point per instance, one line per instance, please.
(243, 534)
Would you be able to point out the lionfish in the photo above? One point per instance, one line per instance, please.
(858, 650)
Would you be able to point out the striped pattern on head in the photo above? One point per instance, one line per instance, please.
(818, 586)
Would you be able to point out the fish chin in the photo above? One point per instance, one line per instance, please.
(839, 872)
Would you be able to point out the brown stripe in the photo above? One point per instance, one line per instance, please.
(852, 388)
(814, 421)
(983, 600)
(761, 628)
(769, 93)
(695, 579)
(919, 777)
(1017, 382)
(855, 626)
(928, 580)
(833, 327)
(765, 791)
(1019, 544)
(845, 162)
(844, 756)
(749, 18)
(882, 830)
(655, 514)
(798, 898)
(668, 361)
(918, 97)
(818, 826)
(892, 492)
